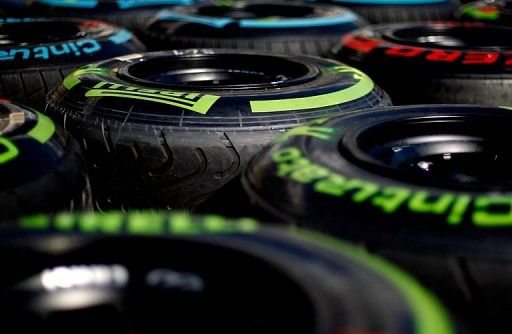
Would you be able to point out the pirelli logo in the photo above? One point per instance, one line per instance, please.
(196, 102)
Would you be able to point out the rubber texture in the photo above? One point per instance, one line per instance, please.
(474, 70)
(452, 230)
(11, 8)
(30, 68)
(278, 27)
(481, 11)
(128, 14)
(41, 167)
(395, 13)
(156, 144)
(199, 268)
(133, 20)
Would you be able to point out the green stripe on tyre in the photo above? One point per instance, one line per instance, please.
(74, 79)
(480, 13)
(10, 150)
(114, 222)
(362, 87)
(43, 130)
(429, 315)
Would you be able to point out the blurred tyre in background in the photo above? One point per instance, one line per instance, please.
(37, 53)
(391, 11)
(492, 12)
(125, 273)
(434, 62)
(131, 14)
(281, 27)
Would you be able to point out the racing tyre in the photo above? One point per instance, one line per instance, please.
(10, 8)
(132, 271)
(495, 12)
(41, 168)
(434, 63)
(166, 129)
(426, 186)
(394, 11)
(36, 54)
(131, 14)
(266, 26)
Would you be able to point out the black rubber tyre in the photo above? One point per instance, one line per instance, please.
(132, 271)
(41, 168)
(426, 186)
(496, 12)
(394, 11)
(36, 54)
(279, 27)
(10, 8)
(434, 63)
(166, 129)
(130, 14)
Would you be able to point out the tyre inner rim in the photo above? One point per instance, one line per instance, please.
(458, 152)
(453, 37)
(21, 34)
(201, 288)
(267, 11)
(12, 120)
(227, 71)
(5, 120)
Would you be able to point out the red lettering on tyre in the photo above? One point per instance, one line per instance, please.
(360, 43)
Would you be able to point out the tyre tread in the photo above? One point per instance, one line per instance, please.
(30, 86)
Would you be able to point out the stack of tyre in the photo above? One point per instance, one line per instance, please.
(130, 128)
